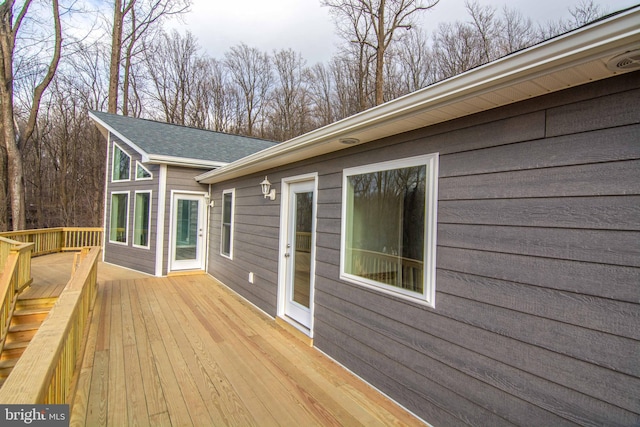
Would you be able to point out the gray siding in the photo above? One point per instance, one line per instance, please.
(128, 256)
(255, 243)
(178, 179)
(537, 310)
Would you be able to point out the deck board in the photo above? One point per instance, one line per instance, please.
(117, 400)
(156, 404)
(186, 350)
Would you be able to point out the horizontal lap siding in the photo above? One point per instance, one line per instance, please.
(255, 243)
(139, 259)
(537, 284)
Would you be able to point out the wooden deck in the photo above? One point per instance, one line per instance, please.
(186, 351)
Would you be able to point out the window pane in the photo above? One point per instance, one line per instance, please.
(141, 223)
(302, 257)
(187, 230)
(142, 172)
(118, 224)
(121, 164)
(226, 209)
(227, 202)
(226, 240)
(386, 217)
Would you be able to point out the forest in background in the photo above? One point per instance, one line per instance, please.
(164, 75)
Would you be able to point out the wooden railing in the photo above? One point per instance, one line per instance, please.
(44, 372)
(15, 275)
(50, 240)
(390, 269)
(303, 241)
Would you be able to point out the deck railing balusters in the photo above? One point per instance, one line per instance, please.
(50, 240)
(50, 372)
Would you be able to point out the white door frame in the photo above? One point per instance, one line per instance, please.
(282, 264)
(199, 263)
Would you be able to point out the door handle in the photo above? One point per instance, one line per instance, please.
(287, 255)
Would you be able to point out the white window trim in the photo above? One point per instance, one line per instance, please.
(161, 227)
(232, 227)
(126, 234)
(140, 165)
(135, 209)
(431, 208)
(113, 160)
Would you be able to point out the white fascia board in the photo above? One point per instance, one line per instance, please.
(181, 161)
(609, 36)
(119, 135)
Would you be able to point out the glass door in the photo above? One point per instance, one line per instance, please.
(299, 251)
(187, 232)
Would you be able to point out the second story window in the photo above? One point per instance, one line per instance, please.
(142, 173)
(121, 164)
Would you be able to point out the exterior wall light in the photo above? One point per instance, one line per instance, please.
(267, 192)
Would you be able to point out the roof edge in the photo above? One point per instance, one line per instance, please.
(118, 134)
(570, 49)
(182, 161)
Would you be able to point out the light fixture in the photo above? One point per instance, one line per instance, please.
(266, 189)
(349, 141)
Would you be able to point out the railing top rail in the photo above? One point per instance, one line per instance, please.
(384, 255)
(32, 231)
(7, 240)
(19, 246)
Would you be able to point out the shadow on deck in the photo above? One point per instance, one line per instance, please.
(186, 350)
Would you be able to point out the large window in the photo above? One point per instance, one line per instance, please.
(141, 219)
(121, 164)
(119, 217)
(388, 226)
(226, 245)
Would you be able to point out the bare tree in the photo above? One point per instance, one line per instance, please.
(516, 32)
(15, 140)
(380, 19)
(415, 61)
(290, 112)
(64, 164)
(250, 71)
(321, 88)
(176, 70)
(486, 27)
(224, 98)
(138, 17)
(584, 12)
(456, 49)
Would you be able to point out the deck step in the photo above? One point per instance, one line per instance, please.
(31, 315)
(23, 327)
(13, 350)
(22, 332)
(27, 319)
(6, 366)
(35, 302)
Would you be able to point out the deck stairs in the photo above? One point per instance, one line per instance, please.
(27, 318)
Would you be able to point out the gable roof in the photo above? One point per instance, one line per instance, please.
(569, 60)
(159, 142)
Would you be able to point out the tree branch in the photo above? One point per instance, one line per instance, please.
(39, 90)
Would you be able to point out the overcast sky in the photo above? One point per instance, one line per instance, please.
(305, 27)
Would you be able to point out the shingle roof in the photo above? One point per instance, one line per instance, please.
(158, 139)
